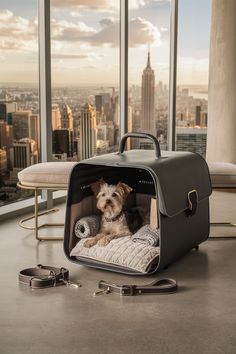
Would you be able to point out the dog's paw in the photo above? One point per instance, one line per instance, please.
(103, 241)
(89, 243)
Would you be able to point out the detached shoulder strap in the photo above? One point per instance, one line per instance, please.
(161, 286)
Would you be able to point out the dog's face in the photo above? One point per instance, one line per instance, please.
(110, 198)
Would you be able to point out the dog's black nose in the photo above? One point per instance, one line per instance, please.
(108, 201)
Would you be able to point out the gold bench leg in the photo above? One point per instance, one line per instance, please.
(36, 226)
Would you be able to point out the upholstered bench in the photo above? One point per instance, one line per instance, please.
(44, 176)
(223, 176)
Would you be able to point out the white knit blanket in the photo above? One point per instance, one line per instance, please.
(148, 235)
(122, 252)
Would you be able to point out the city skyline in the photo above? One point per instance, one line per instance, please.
(86, 121)
(85, 41)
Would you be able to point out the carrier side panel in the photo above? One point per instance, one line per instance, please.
(182, 233)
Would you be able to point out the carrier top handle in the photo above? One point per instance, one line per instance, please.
(142, 136)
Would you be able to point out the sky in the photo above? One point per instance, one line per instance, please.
(85, 41)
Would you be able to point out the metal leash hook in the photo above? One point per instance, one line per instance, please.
(105, 288)
(71, 284)
(102, 292)
(67, 281)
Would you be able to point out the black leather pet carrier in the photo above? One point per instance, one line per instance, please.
(166, 209)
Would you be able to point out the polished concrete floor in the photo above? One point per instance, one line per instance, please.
(200, 318)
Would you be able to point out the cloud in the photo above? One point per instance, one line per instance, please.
(137, 4)
(104, 6)
(164, 29)
(68, 31)
(75, 14)
(96, 56)
(20, 34)
(141, 32)
(81, 4)
(91, 67)
(107, 35)
(16, 33)
(68, 56)
(107, 22)
(16, 26)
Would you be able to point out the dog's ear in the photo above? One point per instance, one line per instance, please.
(96, 186)
(126, 189)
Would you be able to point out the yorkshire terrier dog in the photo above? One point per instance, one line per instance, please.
(110, 201)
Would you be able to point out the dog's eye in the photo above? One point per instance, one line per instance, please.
(103, 194)
(114, 194)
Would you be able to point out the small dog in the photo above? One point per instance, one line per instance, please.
(110, 201)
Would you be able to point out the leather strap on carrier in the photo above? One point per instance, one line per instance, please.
(45, 276)
(161, 286)
(192, 202)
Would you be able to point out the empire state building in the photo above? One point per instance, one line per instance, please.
(148, 99)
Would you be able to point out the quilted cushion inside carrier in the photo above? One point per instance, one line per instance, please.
(120, 252)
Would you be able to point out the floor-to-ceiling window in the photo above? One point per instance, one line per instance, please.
(19, 100)
(149, 43)
(85, 62)
(192, 75)
(85, 78)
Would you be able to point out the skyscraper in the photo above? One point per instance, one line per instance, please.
(56, 117)
(21, 124)
(26, 125)
(148, 99)
(63, 142)
(88, 133)
(98, 103)
(3, 161)
(6, 139)
(103, 105)
(198, 115)
(6, 108)
(66, 117)
(191, 139)
(34, 131)
(21, 155)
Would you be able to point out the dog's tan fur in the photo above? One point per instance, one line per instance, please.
(110, 201)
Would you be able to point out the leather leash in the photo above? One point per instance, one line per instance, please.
(45, 277)
(162, 286)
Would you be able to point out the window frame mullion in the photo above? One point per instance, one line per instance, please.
(45, 95)
(171, 129)
(123, 67)
(45, 79)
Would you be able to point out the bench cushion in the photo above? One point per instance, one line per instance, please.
(47, 174)
(223, 174)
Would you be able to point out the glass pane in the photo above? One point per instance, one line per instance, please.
(85, 78)
(149, 42)
(192, 82)
(19, 100)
